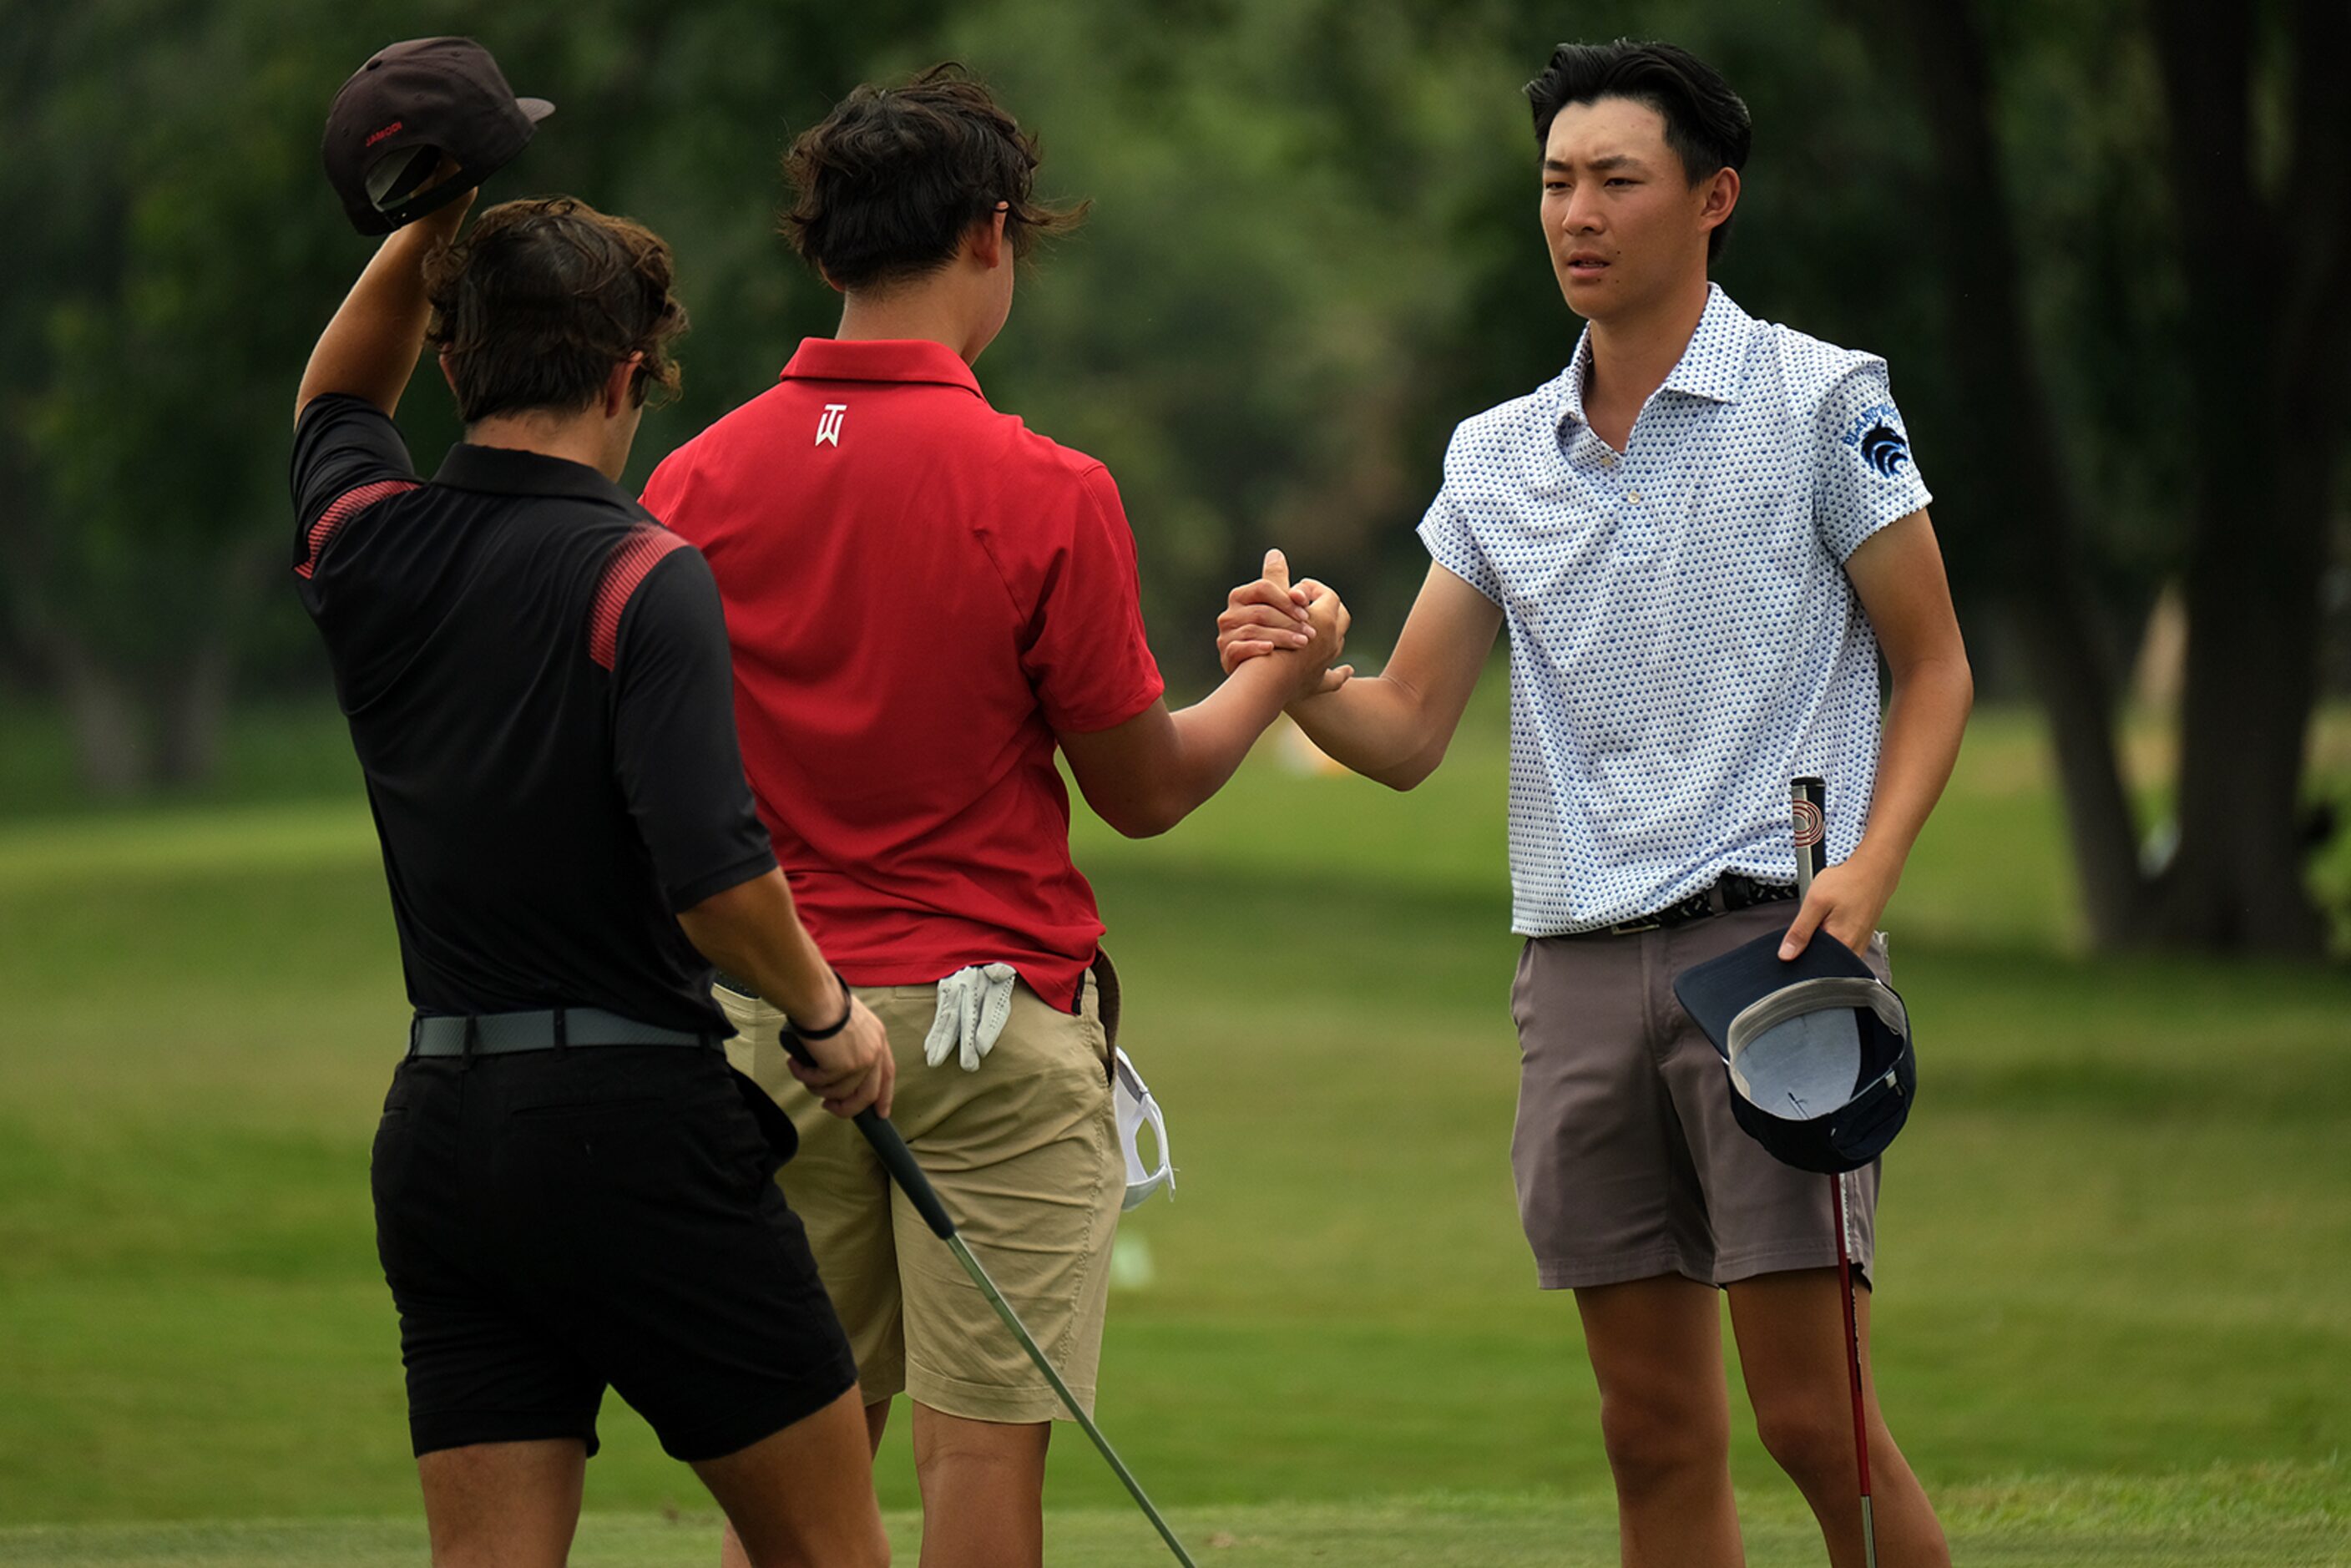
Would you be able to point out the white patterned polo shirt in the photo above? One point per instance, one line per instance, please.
(1683, 637)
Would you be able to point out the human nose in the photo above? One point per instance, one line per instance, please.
(1581, 213)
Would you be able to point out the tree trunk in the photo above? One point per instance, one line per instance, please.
(109, 742)
(2022, 497)
(2268, 358)
(191, 711)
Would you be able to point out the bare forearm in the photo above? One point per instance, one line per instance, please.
(753, 931)
(1381, 727)
(1924, 724)
(1211, 737)
(371, 347)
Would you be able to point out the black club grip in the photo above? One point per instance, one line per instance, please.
(904, 1171)
(893, 1152)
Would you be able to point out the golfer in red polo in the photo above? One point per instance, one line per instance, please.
(926, 600)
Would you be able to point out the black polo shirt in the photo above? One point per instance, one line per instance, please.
(535, 676)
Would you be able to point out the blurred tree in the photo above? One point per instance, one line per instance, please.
(174, 252)
(2241, 206)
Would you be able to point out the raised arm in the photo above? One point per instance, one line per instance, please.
(1393, 727)
(1898, 572)
(370, 348)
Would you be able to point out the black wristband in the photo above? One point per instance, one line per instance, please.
(847, 1006)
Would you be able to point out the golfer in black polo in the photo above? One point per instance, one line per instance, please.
(572, 1188)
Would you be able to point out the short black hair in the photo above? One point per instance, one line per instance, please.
(1707, 124)
(886, 186)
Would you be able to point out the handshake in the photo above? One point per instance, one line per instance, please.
(1303, 626)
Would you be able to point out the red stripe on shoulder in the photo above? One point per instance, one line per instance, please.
(624, 571)
(342, 509)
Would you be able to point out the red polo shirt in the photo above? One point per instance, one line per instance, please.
(920, 592)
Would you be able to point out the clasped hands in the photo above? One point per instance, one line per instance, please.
(1304, 623)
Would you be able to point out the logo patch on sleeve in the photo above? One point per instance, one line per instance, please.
(1877, 435)
(1883, 449)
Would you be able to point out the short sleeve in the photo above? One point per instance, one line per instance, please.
(348, 455)
(1451, 545)
(673, 748)
(1865, 476)
(1087, 654)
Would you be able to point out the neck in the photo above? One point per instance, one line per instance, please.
(578, 438)
(935, 312)
(1632, 354)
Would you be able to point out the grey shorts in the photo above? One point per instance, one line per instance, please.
(1628, 1161)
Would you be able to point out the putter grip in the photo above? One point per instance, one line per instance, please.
(904, 1171)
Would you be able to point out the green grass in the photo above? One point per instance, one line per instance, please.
(2115, 1238)
(2218, 1519)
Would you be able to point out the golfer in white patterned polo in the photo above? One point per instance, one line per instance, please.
(1701, 535)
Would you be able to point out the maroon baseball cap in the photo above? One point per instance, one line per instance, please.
(405, 111)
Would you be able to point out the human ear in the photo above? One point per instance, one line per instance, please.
(986, 239)
(618, 383)
(1721, 198)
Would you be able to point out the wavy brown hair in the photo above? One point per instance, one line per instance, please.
(886, 185)
(538, 302)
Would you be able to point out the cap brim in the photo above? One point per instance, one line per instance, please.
(538, 109)
(1718, 991)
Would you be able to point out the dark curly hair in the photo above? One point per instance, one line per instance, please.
(542, 297)
(1707, 124)
(886, 185)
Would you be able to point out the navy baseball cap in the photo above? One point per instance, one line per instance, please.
(1817, 1049)
(407, 109)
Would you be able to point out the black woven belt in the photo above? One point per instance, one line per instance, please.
(498, 1034)
(1730, 890)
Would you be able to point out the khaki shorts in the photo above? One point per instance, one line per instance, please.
(1628, 1161)
(1025, 1154)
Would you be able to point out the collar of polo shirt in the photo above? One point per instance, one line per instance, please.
(881, 360)
(1706, 368)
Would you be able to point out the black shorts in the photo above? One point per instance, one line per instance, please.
(552, 1222)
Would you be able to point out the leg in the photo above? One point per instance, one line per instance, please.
(730, 1546)
(1656, 1350)
(982, 1490)
(1025, 1155)
(803, 1497)
(502, 1505)
(1791, 1329)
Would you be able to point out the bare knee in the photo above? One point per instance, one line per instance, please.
(1656, 1443)
(1811, 1438)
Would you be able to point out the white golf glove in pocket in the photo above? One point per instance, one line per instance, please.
(973, 1002)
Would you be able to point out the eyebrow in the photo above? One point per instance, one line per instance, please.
(1611, 160)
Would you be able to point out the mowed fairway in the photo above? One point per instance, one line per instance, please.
(2115, 1238)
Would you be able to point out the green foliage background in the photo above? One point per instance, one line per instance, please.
(1312, 251)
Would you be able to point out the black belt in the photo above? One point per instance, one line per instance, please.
(498, 1034)
(1730, 890)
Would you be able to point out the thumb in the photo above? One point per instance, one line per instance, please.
(1276, 568)
(1808, 920)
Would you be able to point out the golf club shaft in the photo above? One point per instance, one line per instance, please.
(956, 1245)
(900, 1160)
(1808, 808)
(1853, 1372)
